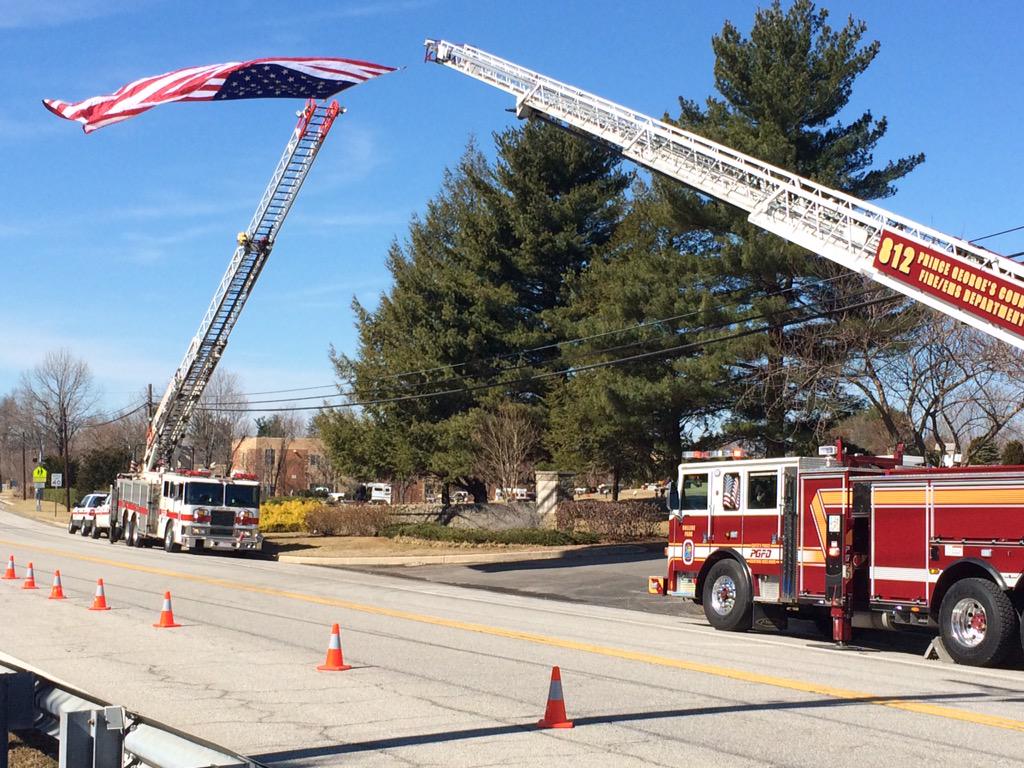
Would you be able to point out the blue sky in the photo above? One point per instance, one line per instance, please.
(112, 243)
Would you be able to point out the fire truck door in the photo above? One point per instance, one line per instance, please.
(790, 534)
(153, 504)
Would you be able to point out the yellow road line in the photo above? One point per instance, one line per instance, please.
(917, 707)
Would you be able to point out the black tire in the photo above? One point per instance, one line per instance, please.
(129, 534)
(84, 530)
(169, 545)
(823, 623)
(71, 525)
(726, 595)
(95, 530)
(978, 624)
(113, 533)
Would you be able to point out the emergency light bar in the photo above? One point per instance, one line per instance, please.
(730, 453)
(827, 450)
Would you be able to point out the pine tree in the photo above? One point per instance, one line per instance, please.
(782, 90)
(475, 283)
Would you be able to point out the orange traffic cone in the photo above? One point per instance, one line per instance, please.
(57, 591)
(30, 579)
(9, 573)
(166, 614)
(554, 715)
(335, 662)
(99, 602)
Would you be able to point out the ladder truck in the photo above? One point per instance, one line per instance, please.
(197, 509)
(843, 540)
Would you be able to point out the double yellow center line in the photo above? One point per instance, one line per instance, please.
(904, 704)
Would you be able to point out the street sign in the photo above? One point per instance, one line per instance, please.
(39, 474)
(39, 486)
(56, 480)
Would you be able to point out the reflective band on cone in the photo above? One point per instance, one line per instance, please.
(9, 573)
(554, 714)
(335, 662)
(57, 591)
(99, 603)
(166, 614)
(30, 579)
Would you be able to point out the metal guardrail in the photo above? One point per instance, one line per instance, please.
(95, 734)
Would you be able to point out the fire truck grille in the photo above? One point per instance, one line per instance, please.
(222, 522)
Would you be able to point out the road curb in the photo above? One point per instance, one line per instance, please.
(475, 558)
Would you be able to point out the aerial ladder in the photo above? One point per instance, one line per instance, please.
(974, 285)
(170, 421)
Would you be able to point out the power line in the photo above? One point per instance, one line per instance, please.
(122, 416)
(997, 234)
(296, 389)
(524, 352)
(579, 369)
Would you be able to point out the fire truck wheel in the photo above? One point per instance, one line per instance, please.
(71, 525)
(169, 545)
(977, 622)
(727, 602)
(129, 534)
(84, 530)
(94, 531)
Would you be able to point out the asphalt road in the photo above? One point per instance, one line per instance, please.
(454, 676)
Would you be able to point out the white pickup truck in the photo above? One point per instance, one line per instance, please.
(91, 516)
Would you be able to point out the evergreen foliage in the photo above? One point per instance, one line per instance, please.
(782, 89)
(1013, 453)
(548, 243)
(475, 283)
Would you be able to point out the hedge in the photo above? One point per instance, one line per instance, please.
(611, 520)
(544, 537)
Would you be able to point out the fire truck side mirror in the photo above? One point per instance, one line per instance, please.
(672, 497)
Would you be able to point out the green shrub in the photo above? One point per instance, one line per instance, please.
(610, 520)
(544, 537)
(57, 494)
(348, 519)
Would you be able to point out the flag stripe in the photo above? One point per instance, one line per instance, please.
(300, 77)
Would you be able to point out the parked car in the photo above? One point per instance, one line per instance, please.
(91, 516)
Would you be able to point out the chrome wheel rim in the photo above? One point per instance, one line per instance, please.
(723, 595)
(969, 622)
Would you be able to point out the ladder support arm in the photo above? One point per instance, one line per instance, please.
(169, 423)
(972, 284)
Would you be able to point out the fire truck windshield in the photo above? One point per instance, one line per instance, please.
(242, 495)
(204, 493)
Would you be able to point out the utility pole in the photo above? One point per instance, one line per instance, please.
(24, 470)
(149, 402)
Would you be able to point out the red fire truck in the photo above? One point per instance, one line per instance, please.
(852, 541)
(849, 540)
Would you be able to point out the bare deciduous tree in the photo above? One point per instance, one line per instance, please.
(506, 440)
(948, 383)
(59, 395)
(216, 423)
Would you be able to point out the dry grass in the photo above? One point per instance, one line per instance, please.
(31, 750)
(12, 502)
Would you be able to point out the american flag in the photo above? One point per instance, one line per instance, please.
(731, 492)
(284, 78)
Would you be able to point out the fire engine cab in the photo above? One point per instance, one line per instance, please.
(852, 541)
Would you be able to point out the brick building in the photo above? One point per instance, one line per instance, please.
(284, 466)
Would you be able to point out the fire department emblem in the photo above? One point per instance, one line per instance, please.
(688, 551)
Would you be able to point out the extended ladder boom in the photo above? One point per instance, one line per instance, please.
(170, 421)
(951, 275)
